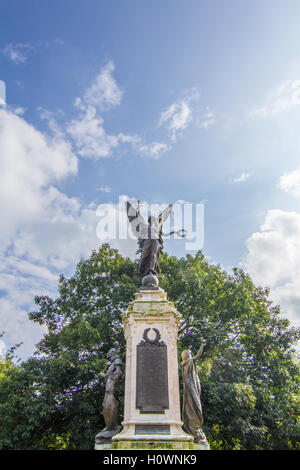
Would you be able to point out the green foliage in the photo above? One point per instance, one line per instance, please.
(248, 371)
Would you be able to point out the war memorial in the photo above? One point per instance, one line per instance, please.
(153, 415)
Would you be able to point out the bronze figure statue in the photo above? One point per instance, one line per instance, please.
(110, 403)
(191, 409)
(150, 240)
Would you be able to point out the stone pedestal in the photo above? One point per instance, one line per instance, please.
(103, 445)
(152, 402)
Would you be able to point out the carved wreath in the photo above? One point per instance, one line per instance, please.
(151, 341)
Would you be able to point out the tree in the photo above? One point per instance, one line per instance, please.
(248, 372)
(249, 377)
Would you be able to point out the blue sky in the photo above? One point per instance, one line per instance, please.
(157, 101)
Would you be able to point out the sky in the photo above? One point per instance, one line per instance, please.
(160, 102)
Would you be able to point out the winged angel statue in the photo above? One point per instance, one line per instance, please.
(150, 240)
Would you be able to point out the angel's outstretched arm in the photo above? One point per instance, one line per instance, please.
(181, 233)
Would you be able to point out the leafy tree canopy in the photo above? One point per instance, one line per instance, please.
(249, 372)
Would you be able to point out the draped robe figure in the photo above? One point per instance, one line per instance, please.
(151, 245)
(191, 408)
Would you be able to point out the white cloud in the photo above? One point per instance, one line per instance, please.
(90, 137)
(178, 115)
(242, 178)
(104, 189)
(2, 93)
(51, 43)
(30, 161)
(154, 149)
(43, 230)
(87, 130)
(89, 134)
(207, 120)
(290, 182)
(17, 52)
(19, 110)
(281, 99)
(104, 91)
(273, 259)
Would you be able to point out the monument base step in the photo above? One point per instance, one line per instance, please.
(153, 445)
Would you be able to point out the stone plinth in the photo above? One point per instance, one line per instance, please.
(152, 402)
(103, 446)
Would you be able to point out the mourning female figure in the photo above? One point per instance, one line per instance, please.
(192, 409)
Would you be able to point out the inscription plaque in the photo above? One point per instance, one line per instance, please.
(152, 395)
(152, 429)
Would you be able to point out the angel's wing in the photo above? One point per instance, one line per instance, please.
(135, 218)
(164, 215)
(132, 213)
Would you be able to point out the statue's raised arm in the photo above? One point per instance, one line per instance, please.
(200, 351)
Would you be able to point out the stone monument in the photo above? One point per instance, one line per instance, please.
(152, 418)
